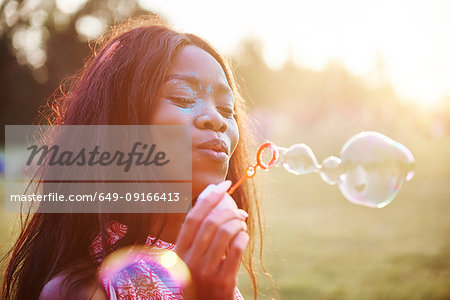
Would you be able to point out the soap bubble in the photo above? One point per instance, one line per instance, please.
(331, 170)
(298, 159)
(374, 169)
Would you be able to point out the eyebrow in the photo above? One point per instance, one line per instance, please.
(194, 80)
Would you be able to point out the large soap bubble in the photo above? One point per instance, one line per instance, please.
(374, 167)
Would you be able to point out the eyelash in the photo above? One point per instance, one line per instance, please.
(224, 111)
(183, 101)
(227, 112)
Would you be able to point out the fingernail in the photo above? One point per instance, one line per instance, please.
(224, 185)
(243, 213)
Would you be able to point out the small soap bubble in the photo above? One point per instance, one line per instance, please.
(251, 171)
(330, 170)
(299, 159)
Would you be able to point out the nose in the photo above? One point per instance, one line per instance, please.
(211, 119)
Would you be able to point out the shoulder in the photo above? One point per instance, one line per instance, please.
(57, 288)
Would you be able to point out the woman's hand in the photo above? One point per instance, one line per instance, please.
(211, 243)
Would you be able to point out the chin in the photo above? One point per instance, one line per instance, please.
(205, 172)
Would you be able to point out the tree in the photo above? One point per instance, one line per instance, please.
(41, 42)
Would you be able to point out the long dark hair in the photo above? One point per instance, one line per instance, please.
(117, 85)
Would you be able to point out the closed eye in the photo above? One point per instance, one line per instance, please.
(227, 112)
(181, 101)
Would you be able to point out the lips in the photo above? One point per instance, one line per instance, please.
(216, 145)
(215, 150)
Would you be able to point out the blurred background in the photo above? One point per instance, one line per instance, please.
(314, 72)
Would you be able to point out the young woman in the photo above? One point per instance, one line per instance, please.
(146, 73)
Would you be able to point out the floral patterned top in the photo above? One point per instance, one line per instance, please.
(143, 279)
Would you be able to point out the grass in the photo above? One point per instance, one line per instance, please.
(320, 246)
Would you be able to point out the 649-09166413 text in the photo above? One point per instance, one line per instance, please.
(97, 196)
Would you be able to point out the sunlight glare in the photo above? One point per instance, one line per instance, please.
(409, 37)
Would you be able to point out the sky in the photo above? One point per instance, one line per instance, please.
(409, 39)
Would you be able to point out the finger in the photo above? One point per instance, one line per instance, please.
(222, 240)
(213, 224)
(230, 265)
(205, 203)
(226, 202)
(188, 230)
(210, 197)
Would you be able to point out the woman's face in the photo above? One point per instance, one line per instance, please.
(196, 93)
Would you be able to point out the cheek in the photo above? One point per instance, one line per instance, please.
(168, 114)
(233, 135)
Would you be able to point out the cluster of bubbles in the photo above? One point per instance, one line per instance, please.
(370, 170)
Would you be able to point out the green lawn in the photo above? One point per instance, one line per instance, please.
(320, 246)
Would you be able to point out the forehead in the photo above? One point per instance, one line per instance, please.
(196, 62)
